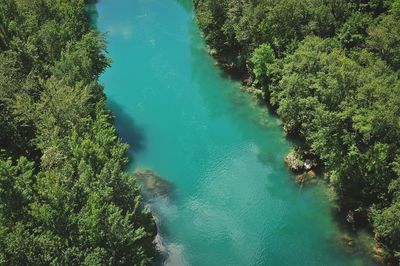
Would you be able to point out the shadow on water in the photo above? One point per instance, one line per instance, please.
(93, 14)
(127, 129)
(157, 191)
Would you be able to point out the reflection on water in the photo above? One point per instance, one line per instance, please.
(127, 128)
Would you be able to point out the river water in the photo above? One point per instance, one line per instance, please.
(234, 201)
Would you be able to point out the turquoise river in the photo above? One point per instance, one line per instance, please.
(234, 201)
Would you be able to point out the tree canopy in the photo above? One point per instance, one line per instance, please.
(330, 69)
(65, 198)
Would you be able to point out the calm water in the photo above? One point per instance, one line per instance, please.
(234, 201)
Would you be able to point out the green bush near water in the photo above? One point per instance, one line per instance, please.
(64, 196)
(330, 69)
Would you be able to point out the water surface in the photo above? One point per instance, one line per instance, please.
(234, 202)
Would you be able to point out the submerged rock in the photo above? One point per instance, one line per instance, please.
(304, 168)
(300, 179)
(379, 259)
(258, 94)
(294, 162)
(348, 240)
(153, 183)
(312, 174)
(306, 178)
(379, 255)
(379, 251)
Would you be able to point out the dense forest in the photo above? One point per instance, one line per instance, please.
(330, 70)
(64, 196)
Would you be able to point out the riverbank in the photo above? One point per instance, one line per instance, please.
(304, 167)
(280, 76)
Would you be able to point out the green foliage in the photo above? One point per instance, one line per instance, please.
(395, 8)
(261, 57)
(384, 39)
(16, 190)
(330, 70)
(64, 196)
(387, 225)
(354, 31)
(236, 28)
